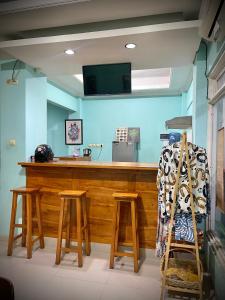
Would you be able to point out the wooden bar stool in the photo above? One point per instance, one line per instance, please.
(132, 199)
(28, 196)
(81, 211)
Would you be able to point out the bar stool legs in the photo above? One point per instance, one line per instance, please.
(134, 234)
(12, 224)
(59, 240)
(81, 213)
(39, 221)
(138, 244)
(79, 234)
(24, 230)
(86, 234)
(28, 195)
(114, 244)
(68, 226)
(131, 199)
(29, 227)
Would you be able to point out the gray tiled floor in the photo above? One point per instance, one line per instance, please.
(40, 279)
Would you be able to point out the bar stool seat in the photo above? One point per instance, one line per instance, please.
(125, 196)
(71, 193)
(28, 196)
(130, 198)
(66, 198)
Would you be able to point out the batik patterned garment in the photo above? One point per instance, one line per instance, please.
(184, 228)
(166, 178)
(162, 232)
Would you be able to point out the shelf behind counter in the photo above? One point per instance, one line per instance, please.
(78, 158)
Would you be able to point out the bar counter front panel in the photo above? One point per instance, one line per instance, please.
(100, 180)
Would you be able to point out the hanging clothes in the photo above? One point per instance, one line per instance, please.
(166, 179)
(184, 228)
(162, 232)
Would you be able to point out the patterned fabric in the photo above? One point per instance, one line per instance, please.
(184, 228)
(166, 178)
(162, 231)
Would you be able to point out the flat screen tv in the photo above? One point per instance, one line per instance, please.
(107, 79)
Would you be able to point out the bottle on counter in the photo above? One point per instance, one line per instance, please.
(76, 152)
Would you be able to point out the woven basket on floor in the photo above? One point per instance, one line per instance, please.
(188, 267)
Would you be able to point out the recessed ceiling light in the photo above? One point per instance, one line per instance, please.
(69, 51)
(130, 46)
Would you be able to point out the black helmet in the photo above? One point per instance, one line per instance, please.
(43, 153)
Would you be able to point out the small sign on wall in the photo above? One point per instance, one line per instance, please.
(74, 132)
(133, 134)
(128, 134)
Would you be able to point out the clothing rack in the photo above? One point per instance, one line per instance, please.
(193, 287)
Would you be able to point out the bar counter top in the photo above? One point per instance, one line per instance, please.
(94, 165)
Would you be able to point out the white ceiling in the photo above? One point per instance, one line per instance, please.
(166, 34)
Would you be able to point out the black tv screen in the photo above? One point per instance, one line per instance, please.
(107, 79)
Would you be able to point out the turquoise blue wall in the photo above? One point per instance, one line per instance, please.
(39, 92)
(56, 129)
(12, 117)
(23, 117)
(200, 101)
(62, 98)
(183, 103)
(187, 101)
(36, 114)
(102, 117)
(187, 108)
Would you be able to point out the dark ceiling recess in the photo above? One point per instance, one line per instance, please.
(1, 1)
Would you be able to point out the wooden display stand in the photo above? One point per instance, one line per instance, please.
(179, 265)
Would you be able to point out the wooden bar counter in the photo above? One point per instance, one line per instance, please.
(100, 180)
